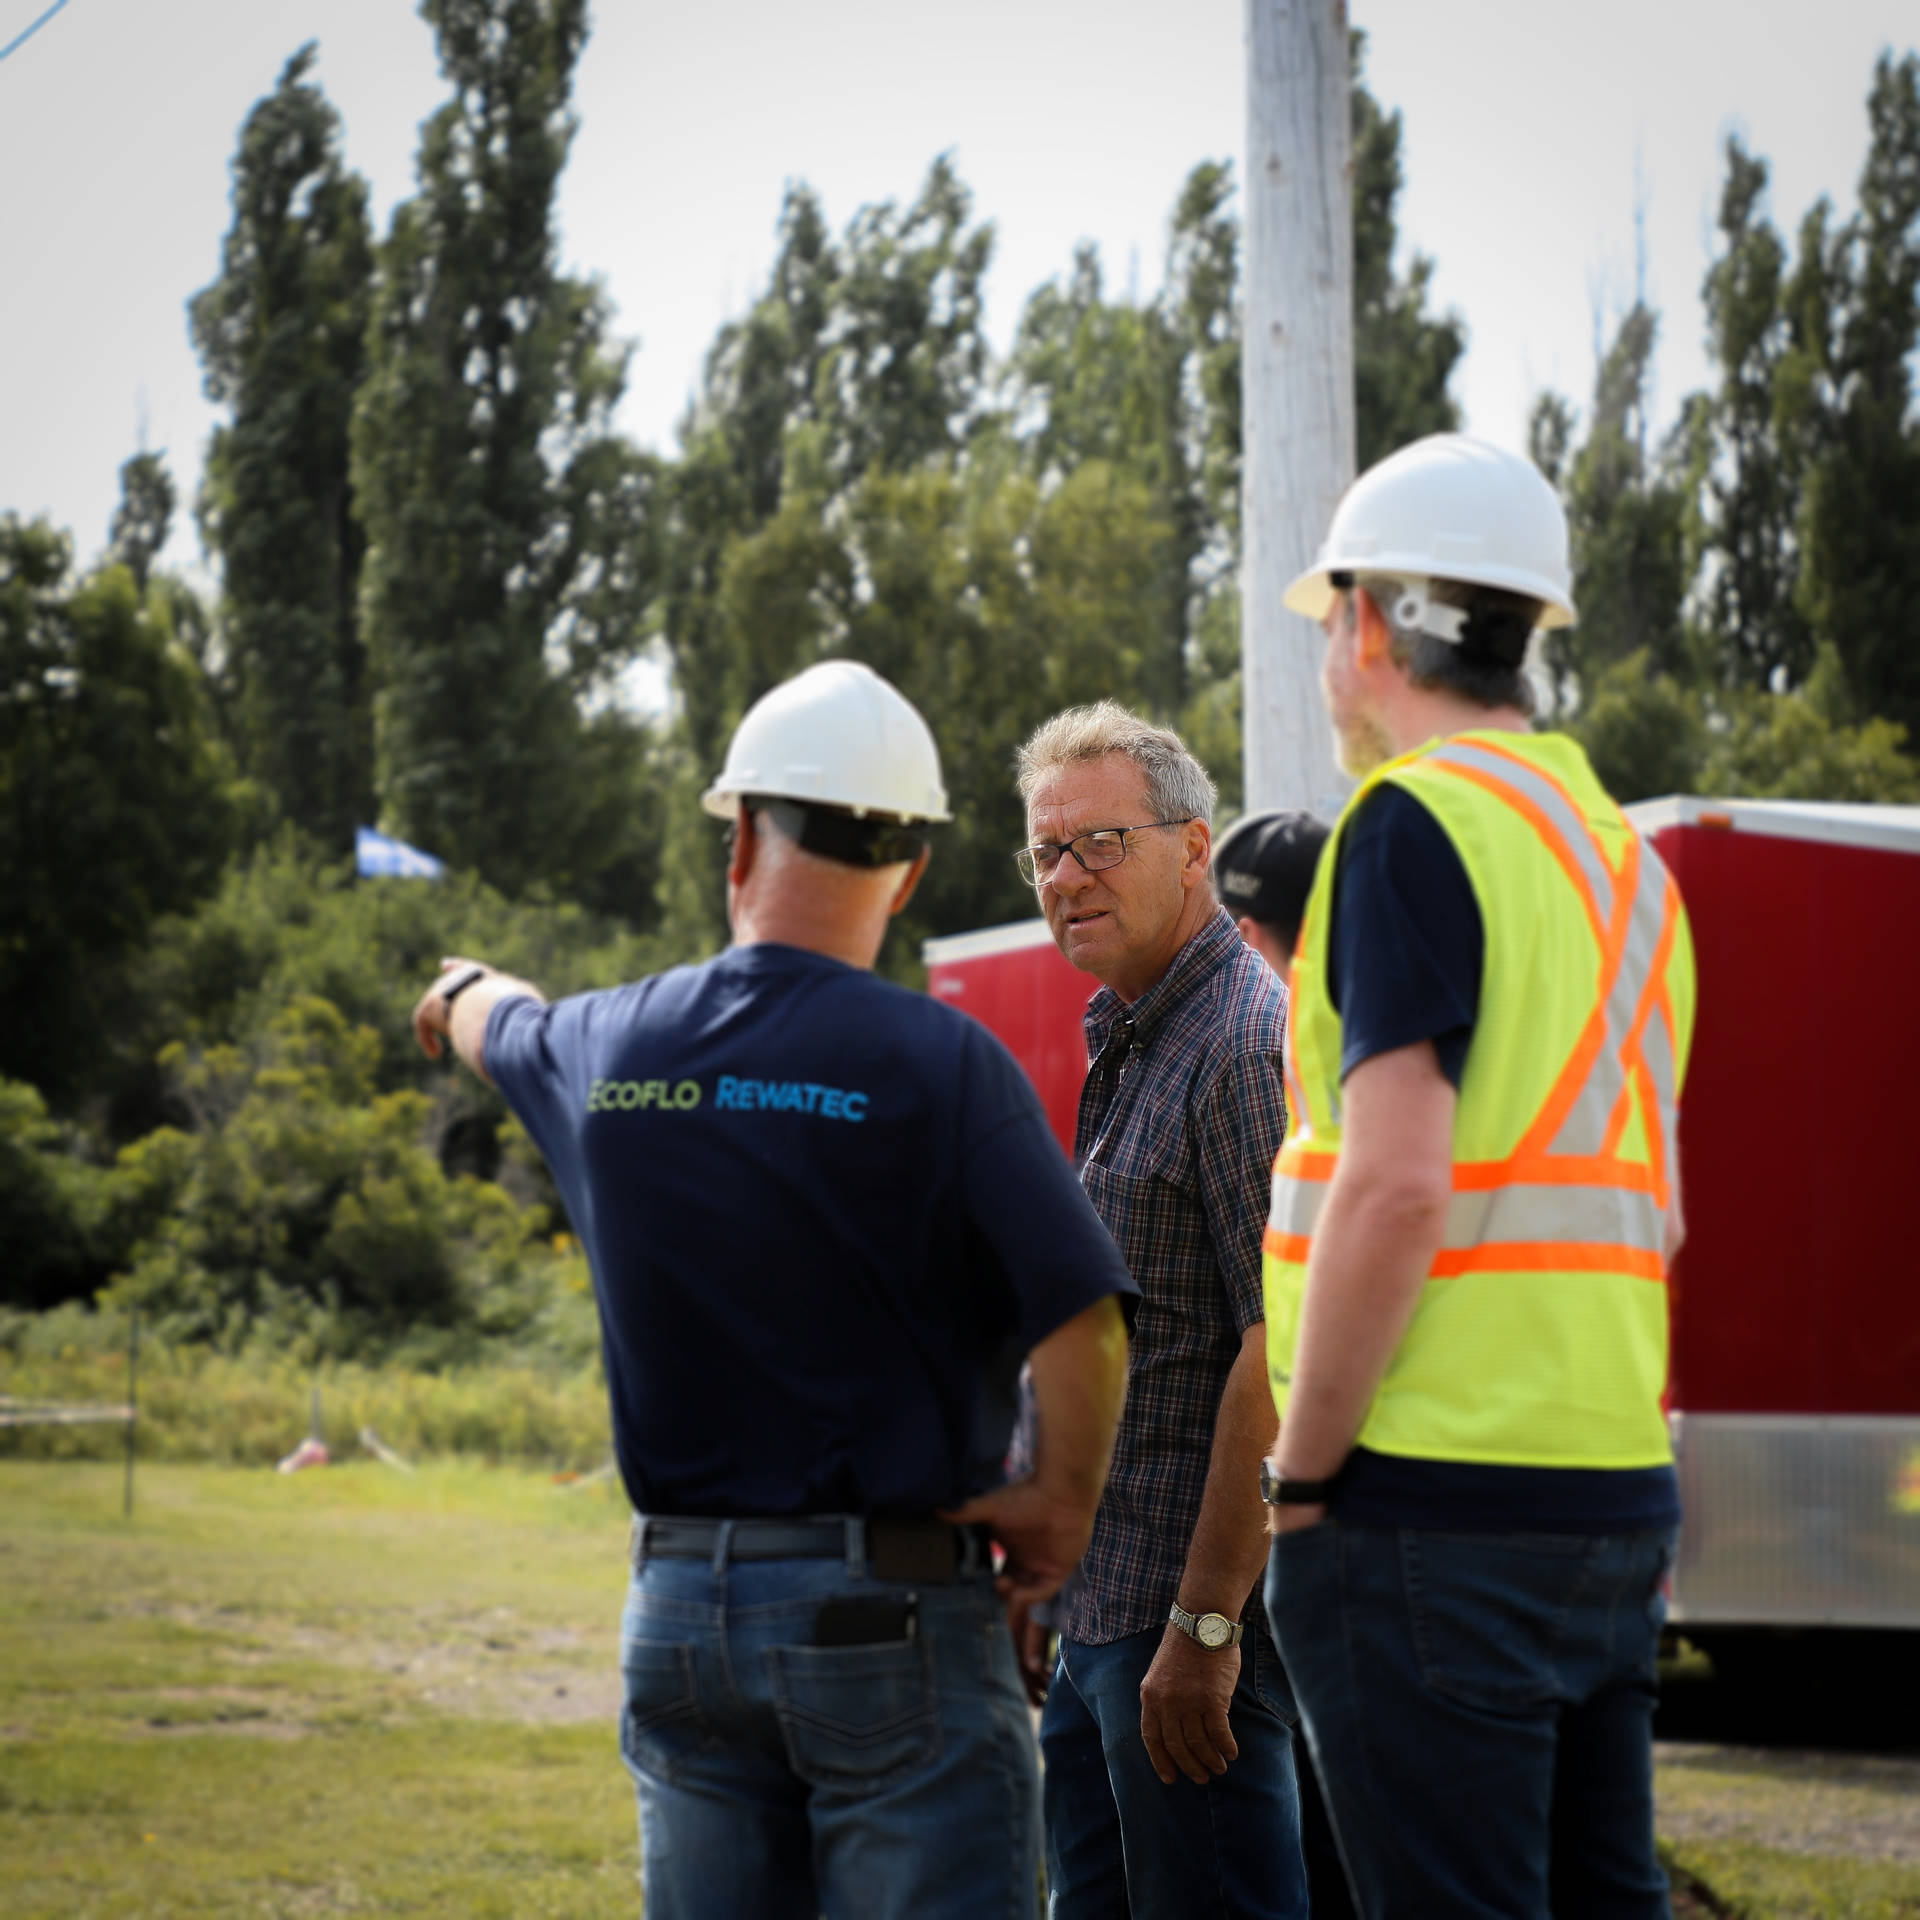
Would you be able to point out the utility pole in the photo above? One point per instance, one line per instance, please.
(1296, 382)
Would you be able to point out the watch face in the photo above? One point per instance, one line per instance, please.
(1269, 1482)
(1213, 1629)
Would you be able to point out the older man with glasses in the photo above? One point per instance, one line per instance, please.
(1167, 1729)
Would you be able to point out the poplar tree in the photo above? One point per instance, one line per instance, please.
(1848, 387)
(281, 336)
(505, 519)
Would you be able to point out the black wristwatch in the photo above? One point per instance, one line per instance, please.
(461, 981)
(1278, 1491)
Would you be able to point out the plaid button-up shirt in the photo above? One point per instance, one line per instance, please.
(1180, 1119)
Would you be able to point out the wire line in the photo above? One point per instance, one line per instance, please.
(20, 39)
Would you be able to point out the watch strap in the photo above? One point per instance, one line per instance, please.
(461, 981)
(1277, 1490)
(1189, 1624)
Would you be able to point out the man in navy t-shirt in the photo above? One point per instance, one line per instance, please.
(827, 1223)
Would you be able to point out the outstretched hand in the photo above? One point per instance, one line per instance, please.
(432, 1022)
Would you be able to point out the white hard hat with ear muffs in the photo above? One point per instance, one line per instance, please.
(1448, 507)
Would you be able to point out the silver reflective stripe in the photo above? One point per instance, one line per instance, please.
(1296, 1204)
(1584, 1131)
(1592, 1216)
(1549, 799)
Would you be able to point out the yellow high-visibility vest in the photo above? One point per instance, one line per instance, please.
(1540, 1337)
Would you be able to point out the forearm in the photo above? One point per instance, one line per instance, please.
(1079, 1376)
(463, 1024)
(1384, 1220)
(468, 1015)
(1229, 1544)
(1371, 1255)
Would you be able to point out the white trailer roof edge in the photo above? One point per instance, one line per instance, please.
(1010, 938)
(1888, 828)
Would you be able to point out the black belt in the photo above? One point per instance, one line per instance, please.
(934, 1552)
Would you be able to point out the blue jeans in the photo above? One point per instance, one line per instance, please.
(1480, 1710)
(782, 1781)
(1120, 1844)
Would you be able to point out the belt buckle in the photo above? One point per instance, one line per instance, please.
(926, 1554)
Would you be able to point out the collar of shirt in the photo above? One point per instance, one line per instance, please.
(1134, 1022)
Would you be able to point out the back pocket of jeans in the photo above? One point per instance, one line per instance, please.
(1491, 1612)
(662, 1722)
(855, 1717)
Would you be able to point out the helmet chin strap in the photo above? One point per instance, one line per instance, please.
(1416, 611)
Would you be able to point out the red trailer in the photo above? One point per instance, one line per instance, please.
(1795, 1383)
(1795, 1392)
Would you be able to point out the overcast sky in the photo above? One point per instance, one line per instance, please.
(1532, 133)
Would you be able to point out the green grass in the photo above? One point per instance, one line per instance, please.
(338, 1692)
(1764, 1883)
(248, 1411)
(1794, 1836)
(354, 1691)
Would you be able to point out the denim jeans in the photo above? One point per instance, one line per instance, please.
(1122, 1846)
(1480, 1710)
(780, 1780)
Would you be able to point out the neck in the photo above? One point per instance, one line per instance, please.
(1420, 714)
(1141, 977)
(816, 920)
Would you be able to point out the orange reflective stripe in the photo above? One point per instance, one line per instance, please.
(1286, 1246)
(1550, 836)
(1639, 1076)
(1547, 1256)
(1553, 1170)
(1302, 1163)
(1579, 1068)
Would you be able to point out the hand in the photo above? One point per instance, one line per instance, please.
(1183, 1708)
(1044, 1534)
(1288, 1518)
(1033, 1650)
(432, 1017)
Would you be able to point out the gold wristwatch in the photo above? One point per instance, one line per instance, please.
(1211, 1630)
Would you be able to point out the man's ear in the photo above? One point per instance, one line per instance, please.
(1372, 637)
(1197, 846)
(912, 880)
(740, 854)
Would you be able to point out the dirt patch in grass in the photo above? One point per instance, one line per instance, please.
(1848, 1806)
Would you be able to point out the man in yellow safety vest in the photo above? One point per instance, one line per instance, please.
(1493, 990)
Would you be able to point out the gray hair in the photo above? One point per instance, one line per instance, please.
(1178, 786)
(1489, 678)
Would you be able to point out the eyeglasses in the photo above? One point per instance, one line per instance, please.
(1103, 847)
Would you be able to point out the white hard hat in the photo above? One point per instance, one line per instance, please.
(1448, 507)
(836, 735)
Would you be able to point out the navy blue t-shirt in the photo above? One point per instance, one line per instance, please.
(826, 1220)
(1404, 965)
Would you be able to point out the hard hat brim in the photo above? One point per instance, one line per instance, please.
(1312, 592)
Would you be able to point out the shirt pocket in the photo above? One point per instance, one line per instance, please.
(1152, 1215)
(856, 1718)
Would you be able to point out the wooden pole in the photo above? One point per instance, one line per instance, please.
(133, 1402)
(1297, 382)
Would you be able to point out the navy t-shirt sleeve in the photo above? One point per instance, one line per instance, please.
(1404, 961)
(1024, 1202)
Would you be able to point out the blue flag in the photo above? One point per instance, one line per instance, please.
(380, 856)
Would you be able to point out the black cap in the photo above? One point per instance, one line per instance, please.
(1263, 867)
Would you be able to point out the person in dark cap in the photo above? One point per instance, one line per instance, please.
(1263, 867)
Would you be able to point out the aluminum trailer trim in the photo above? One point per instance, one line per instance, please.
(1798, 1520)
(1887, 828)
(943, 949)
